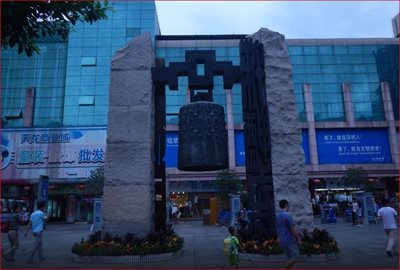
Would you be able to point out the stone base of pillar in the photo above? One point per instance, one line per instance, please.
(70, 220)
(131, 211)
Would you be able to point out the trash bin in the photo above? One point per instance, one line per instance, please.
(332, 215)
(348, 214)
(324, 215)
(206, 216)
(224, 218)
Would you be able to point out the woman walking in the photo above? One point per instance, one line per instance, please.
(14, 221)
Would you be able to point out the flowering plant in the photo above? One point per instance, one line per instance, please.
(107, 244)
(316, 242)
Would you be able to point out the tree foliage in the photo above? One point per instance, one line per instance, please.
(355, 177)
(228, 183)
(95, 184)
(23, 23)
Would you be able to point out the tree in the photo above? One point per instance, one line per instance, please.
(355, 177)
(95, 184)
(23, 23)
(228, 183)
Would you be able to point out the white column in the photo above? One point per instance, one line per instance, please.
(231, 128)
(387, 105)
(312, 141)
(348, 104)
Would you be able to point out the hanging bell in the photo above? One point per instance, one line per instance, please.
(203, 140)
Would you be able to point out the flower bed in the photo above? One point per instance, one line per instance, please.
(317, 245)
(104, 247)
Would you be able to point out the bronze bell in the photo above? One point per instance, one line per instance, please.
(203, 140)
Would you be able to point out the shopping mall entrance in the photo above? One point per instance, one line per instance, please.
(56, 207)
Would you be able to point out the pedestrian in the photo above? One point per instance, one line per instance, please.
(354, 213)
(190, 208)
(231, 248)
(15, 220)
(37, 223)
(26, 212)
(243, 222)
(176, 213)
(196, 212)
(389, 217)
(288, 234)
(186, 208)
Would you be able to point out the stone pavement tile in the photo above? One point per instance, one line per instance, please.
(360, 247)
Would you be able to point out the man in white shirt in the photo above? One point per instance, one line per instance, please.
(389, 217)
(37, 223)
(354, 214)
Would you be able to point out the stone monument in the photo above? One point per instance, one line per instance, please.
(288, 166)
(129, 169)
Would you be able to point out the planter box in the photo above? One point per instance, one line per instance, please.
(127, 259)
(282, 258)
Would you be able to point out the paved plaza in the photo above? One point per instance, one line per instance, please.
(360, 247)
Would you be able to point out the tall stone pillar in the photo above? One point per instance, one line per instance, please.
(288, 168)
(129, 169)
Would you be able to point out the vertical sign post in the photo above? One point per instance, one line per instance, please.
(43, 188)
(235, 208)
(97, 214)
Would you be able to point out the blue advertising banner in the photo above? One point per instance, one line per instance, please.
(304, 143)
(239, 149)
(353, 146)
(240, 155)
(172, 142)
(171, 149)
(55, 152)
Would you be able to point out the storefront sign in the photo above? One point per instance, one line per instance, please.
(192, 186)
(171, 149)
(57, 153)
(353, 146)
(240, 156)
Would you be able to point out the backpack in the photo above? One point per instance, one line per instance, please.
(229, 246)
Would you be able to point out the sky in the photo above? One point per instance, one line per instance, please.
(294, 19)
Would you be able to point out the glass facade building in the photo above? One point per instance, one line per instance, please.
(45, 74)
(71, 78)
(55, 104)
(327, 67)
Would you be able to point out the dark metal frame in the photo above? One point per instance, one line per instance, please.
(255, 115)
(257, 139)
(159, 153)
